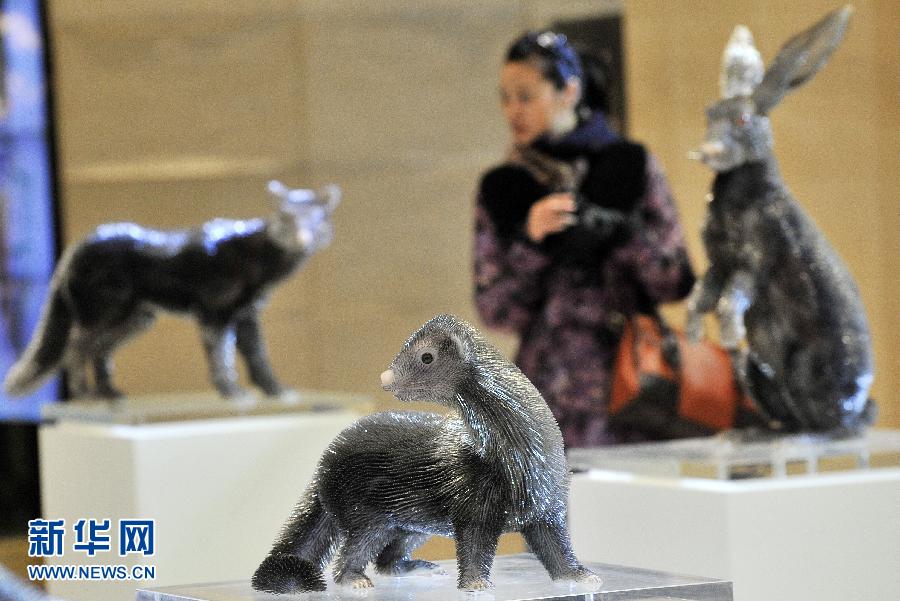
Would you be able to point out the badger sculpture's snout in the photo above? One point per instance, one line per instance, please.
(387, 379)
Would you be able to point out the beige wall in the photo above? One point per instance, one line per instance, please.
(171, 113)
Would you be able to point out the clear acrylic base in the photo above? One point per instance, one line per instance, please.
(735, 455)
(515, 577)
(186, 406)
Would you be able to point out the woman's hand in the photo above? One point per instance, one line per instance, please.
(550, 215)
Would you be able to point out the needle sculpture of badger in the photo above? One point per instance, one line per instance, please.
(495, 464)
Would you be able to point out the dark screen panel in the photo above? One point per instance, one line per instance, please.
(27, 210)
(28, 243)
(601, 36)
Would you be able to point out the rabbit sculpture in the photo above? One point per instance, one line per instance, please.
(773, 279)
(108, 288)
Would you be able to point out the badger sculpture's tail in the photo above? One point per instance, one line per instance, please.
(305, 545)
(45, 350)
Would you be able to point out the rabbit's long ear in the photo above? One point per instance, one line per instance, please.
(800, 58)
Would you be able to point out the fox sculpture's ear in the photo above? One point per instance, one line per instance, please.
(800, 58)
(329, 197)
(291, 196)
(277, 189)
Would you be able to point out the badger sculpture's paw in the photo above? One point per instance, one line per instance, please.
(408, 566)
(586, 576)
(475, 584)
(361, 583)
(355, 581)
(579, 574)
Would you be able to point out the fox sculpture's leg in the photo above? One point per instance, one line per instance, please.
(107, 342)
(103, 366)
(395, 558)
(219, 344)
(251, 346)
(550, 542)
(76, 372)
(78, 354)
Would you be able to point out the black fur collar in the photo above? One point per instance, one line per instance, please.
(615, 179)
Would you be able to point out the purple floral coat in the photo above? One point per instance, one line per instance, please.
(569, 325)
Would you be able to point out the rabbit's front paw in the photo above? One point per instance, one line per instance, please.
(694, 327)
(731, 332)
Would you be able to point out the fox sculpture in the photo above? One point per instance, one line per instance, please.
(774, 280)
(108, 288)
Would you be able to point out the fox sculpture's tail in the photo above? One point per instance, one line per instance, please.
(14, 589)
(305, 545)
(46, 349)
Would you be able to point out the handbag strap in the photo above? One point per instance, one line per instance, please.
(671, 353)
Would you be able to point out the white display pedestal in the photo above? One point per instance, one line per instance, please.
(823, 537)
(515, 577)
(219, 489)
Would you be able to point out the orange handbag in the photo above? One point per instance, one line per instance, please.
(665, 387)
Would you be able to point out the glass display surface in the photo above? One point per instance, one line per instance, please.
(729, 457)
(516, 578)
(200, 405)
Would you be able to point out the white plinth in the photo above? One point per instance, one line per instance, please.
(515, 577)
(219, 490)
(822, 537)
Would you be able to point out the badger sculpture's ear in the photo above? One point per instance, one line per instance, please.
(460, 334)
(463, 344)
(800, 58)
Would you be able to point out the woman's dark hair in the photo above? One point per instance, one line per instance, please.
(558, 61)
